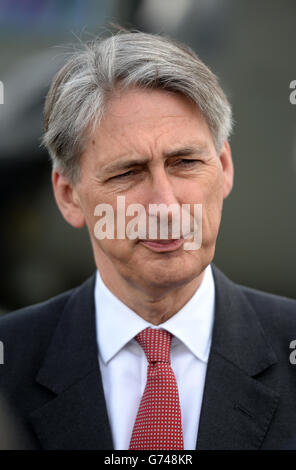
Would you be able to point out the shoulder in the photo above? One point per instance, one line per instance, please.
(276, 313)
(38, 315)
(26, 333)
(266, 299)
(46, 313)
(32, 327)
(280, 307)
(265, 303)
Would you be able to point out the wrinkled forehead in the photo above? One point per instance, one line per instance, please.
(141, 122)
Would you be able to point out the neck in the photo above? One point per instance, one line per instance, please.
(154, 306)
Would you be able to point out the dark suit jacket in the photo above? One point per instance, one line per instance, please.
(51, 372)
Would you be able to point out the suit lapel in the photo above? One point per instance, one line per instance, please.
(237, 408)
(76, 417)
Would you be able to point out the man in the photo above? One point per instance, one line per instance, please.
(158, 349)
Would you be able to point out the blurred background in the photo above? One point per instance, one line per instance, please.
(249, 44)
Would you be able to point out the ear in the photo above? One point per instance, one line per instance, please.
(67, 200)
(227, 166)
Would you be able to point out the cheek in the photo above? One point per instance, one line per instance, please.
(212, 208)
(214, 187)
(90, 199)
(115, 250)
(207, 191)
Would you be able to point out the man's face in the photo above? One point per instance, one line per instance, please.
(153, 146)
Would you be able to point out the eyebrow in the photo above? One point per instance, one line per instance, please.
(179, 152)
(123, 165)
(186, 151)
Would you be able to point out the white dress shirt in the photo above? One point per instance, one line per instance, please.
(123, 363)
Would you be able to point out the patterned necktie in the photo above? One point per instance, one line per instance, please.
(158, 423)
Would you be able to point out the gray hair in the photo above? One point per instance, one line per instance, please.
(79, 92)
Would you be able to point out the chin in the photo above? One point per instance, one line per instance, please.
(168, 278)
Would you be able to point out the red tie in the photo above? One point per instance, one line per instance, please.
(158, 423)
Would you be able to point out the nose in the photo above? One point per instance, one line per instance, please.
(162, 193)
(161, 190)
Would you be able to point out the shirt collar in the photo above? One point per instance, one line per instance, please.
(192, 324)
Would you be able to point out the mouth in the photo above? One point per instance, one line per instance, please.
(163, 245)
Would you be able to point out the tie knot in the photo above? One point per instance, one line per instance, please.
(156, 344)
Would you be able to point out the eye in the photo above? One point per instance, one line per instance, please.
(124, 175)
(187, 162)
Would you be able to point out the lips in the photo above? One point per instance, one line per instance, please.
(163, 245)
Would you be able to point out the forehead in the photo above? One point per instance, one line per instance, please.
(148, 122)
(137, 105)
